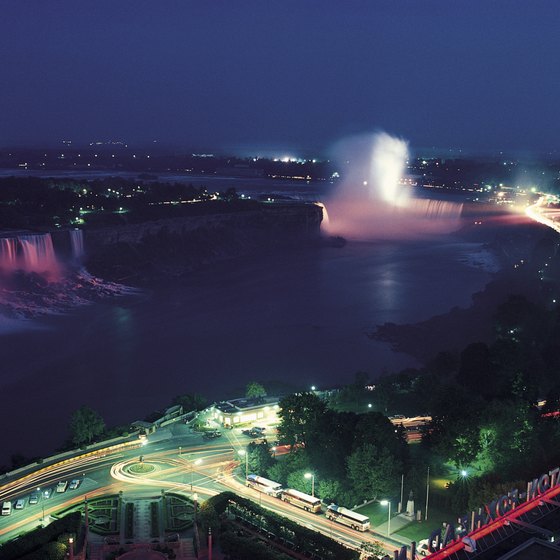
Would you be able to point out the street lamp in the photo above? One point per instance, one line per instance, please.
(71, 547)
(244, 452)
(195, 500)
(387, 503)
(312, 477)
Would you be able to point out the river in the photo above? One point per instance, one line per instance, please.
(298, 318)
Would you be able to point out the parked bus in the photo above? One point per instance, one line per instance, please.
(301, 500)
(348, 517)
(264, 485)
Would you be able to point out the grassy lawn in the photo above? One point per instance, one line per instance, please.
(416, 531)
(376, 512)
(141, 468)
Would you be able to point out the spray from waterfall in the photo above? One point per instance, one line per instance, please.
(374, 202)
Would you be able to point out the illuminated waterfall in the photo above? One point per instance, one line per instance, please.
(372, 202)
(77, 244)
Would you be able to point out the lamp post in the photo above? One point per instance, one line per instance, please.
(427, 492)
(312, 477)
(243, 452)
(195, 500)
(387, 503)
(71, 547)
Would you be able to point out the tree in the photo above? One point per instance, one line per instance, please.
(298, 481)
(295, 461)
(85, 425)
(476, 372)
(299, 414)
(329, 490)
(255, 390)
(377, 429)
(191, 401)
(260, 457)
(373, 472)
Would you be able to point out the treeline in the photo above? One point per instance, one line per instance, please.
(486, 403)
(353, 457)
(32, 202)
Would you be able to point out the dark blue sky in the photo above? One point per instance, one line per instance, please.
(478, 75)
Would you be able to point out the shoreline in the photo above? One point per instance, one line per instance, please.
(422, 340)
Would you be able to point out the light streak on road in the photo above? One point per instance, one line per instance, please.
(541, 213)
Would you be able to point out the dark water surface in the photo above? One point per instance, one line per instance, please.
(301, 318)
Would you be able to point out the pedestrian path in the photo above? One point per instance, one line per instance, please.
(142, 521)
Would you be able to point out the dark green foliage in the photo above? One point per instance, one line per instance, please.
(154, 518)
(364, 453)
(373, 471)
(295, 461)
(191, 401)
(303, 539)
(128, 520)
(299, 413)
(260, 458)
(255, 390)
(86, 425)
(36, 544)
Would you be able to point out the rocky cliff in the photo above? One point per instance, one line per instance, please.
(169, 248)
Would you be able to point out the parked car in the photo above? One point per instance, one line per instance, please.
(20, 503)
(62, 486)
(33, 498)
(47, 493)
(6, 508)
(212, 434)
(74, 484)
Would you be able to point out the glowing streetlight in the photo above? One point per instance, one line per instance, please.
(313, 388)
(387, 503)
(71, 548)
(464, 473)
(243, 452)
(312, 477)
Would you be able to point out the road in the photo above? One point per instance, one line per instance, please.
(182, 462)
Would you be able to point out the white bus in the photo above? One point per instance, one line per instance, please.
(264, 485)
(301, 500)
(348, 517)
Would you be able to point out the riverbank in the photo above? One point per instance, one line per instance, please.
(514, 242)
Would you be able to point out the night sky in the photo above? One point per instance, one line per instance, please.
(263, 75)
